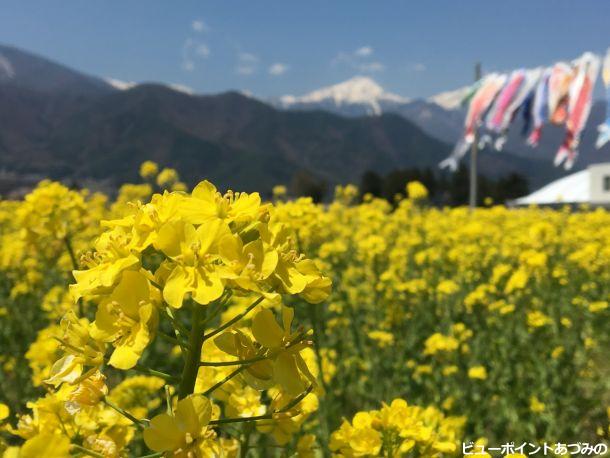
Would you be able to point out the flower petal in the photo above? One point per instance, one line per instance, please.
(177, 285)
(163, 434)
(265, 329)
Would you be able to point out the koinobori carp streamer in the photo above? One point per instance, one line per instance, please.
(480, 103)
(579, 107)
(604, 129)
(560, 95)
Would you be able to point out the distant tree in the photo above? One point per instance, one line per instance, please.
(430, 180)
(394, 183)
(488, 188)
(371, 183)
(459, 186)
(512, 186)
(304, 183)
(445, 188)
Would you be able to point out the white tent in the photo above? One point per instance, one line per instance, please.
(587, 186)
(571, 189)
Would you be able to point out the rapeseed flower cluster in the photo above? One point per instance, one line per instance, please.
(398, 429)
(172, 323)
(490, 308)
(157, 273)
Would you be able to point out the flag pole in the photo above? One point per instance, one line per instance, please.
(474, 152)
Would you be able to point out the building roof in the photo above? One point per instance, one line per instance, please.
(574, 188)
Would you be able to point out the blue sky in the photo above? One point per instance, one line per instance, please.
(274, 47)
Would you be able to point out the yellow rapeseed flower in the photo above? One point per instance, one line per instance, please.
(149, 169)
(477, 373)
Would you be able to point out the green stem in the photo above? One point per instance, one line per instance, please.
(179, 327)
(245, 444)
(223, 381)
(238, 362)
(244, 364)
(172, 340)
(235, 319)
(223, 421)
(75, 266)
(322, 410)
(220, 304)
(296, 400)
(86, 451)
(193, 354)
(168, 400)
(134, 420)
(71, 252)
(267, 416)
(148, 371)
(156, 285)
(67, 345)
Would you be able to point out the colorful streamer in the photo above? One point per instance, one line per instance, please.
(604, 129)
(495, 118)
(540, 108)
(579, 107)
(479, 104)
(528, 83)
(472, 90)
(559, 88)
(560, 95)
(528, 105)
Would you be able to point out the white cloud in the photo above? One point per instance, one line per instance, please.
(247, 63)
(245, 70)
(192, 50)
(359, 60)
(353, 56)
(365, 51)
(419, 67)
(341, 58)
(202, 50)
(371, 67)
(199, 26)
(247, 57)
(278, 69)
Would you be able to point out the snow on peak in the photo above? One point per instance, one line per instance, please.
(121, 85)
(450, 100)
(357, 90)
(7, 71)
(126, 85)
(181, 88)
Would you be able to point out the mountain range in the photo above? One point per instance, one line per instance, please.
(441, 116)
(60, 123)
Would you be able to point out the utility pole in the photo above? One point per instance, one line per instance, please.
(474, 152)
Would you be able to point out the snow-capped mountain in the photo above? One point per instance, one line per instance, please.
(439, 115)
(363, 95)
(450, 100)
(359, 95)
